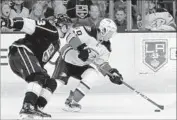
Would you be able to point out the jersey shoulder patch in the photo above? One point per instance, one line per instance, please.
(88, 28)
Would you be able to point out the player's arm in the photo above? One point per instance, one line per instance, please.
(19, 24)
(104, 68)
(73, 40)
(116, 78)
(29, 26)
(76, 43)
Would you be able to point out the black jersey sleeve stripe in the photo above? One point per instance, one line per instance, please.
(18, 23)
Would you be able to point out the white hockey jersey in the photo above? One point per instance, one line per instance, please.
(99, 52)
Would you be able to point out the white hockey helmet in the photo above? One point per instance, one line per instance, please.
(107, 28)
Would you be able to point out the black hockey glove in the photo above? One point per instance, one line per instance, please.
(116, 78)
(5, 22)
(83, 52)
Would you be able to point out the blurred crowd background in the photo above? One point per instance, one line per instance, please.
(129, 15)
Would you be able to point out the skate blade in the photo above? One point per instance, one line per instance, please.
(42, 118)
(29, 117)
(46, 118)
(69, 109)
(25, 117)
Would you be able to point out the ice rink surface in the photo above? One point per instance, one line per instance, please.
(99, 106)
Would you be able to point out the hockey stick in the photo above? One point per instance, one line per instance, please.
(130, 87)
(142, 95)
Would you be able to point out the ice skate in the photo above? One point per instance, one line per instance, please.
(28, 112)
(71, 105)
(43, 114)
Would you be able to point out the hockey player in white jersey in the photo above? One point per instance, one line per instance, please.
(85, 46)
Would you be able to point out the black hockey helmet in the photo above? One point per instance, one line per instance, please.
(63, 18)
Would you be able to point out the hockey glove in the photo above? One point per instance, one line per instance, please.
(83, 52)
(5, 22)
(117, 77)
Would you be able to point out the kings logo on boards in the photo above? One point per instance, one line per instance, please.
(155, 53)
(82, 11)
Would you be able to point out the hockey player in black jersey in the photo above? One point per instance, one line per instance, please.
(28, 55)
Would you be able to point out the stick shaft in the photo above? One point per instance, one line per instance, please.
(133, 89)
(144, 96)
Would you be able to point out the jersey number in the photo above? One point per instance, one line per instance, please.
(48, 53)
(41, 22)
(79, 32)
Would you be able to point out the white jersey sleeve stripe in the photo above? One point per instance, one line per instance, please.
(69, 37)
(46, 29)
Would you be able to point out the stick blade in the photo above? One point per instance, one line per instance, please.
(161, 107)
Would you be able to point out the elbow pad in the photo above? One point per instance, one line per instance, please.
(75, 43)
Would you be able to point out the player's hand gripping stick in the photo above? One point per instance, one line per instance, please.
(115, 77)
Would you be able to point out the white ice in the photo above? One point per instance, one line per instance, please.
(99, 106)
(99, 103)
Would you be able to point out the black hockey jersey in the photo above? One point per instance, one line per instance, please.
(42, 39)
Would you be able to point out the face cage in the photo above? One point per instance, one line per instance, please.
(67, 23)
(104, 34)
(65, 20)
(100, 31)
